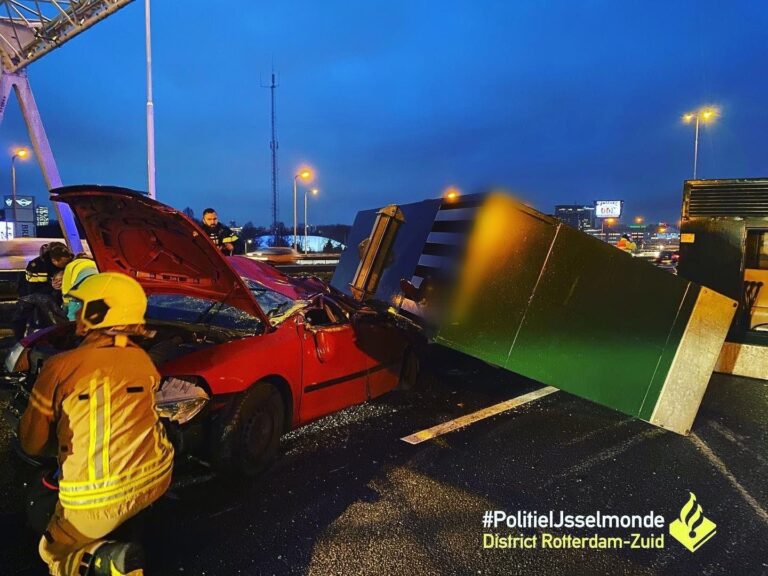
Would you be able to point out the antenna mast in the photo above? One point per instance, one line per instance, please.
(273, 147)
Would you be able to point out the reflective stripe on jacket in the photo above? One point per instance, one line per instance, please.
(111, 445)
(220, 234)
(37, 277)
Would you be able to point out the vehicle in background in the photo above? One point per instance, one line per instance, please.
(724, 245)
(275, 255)
(667, 257)
(667, 260)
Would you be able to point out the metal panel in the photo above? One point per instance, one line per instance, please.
(554, 304)
(730, 198)
(559, 306)
(748, 360)
(405, 252)
(697, 353)
(602, 318)
(713, 254)
(504, 258)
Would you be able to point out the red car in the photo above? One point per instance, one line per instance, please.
(246, 353)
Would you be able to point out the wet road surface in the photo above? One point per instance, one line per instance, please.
(349, 497)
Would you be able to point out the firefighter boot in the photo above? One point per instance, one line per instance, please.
(118, 559)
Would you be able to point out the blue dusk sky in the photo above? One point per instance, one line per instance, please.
(559, 101)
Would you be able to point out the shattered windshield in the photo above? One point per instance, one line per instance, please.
(194, 310)
(276, 306)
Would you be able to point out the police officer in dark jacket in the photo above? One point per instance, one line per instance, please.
(40, 289)
(219, 234)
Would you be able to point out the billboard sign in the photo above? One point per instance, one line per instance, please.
(25, 208)
(608, 208)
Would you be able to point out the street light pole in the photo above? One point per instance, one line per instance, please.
(305, 221)
(306, 226)
(704, 115)
(304, 174)
(13, 189)
(696, 147)
(18, 153)
(295, 223)
(150, 103)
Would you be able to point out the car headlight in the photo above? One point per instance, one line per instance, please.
(181, 398)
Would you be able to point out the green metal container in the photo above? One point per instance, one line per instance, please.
(518, 289)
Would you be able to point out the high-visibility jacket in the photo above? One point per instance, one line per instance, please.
(220, 235)
(38, 277)
(626, 245)
(112, 448)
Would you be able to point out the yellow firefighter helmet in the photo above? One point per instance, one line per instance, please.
(110, 299)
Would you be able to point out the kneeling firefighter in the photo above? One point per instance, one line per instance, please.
(113, 454)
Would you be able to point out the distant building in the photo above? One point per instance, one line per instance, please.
(576, 215)
(41, 216)
(22, 214)
(314, 243)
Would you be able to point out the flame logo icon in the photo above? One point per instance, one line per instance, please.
(692, 528)
(692, 515)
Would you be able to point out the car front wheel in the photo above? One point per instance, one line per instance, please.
(258, 424)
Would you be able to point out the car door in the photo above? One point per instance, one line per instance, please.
(384, 347)
(334, 369)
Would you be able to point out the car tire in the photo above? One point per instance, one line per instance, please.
(409, 371)
(257, 426)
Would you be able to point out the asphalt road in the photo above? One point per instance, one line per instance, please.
(349, 497)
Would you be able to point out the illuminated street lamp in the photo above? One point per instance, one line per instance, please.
(306, 175)
(314, 192)
(706, 116)
(17, 153)
(451, 194)
(639, 219)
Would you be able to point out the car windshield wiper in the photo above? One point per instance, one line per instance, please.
(206, 312)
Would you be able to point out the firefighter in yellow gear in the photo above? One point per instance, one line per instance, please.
(75, 272)
(114, 457)
(625, 243)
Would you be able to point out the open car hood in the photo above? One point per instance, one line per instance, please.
(156, 244)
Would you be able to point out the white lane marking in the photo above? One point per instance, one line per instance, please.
(731, 436)
(597, 432)
(467, 419)
(608, 454)
(723, 469)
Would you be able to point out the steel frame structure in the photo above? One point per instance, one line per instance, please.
(29, 29)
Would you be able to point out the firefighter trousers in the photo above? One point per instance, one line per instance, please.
(73, 535)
